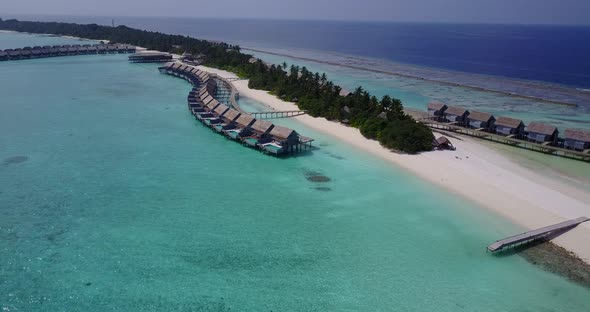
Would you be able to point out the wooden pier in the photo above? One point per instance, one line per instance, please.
(278, 114)
(534, 235)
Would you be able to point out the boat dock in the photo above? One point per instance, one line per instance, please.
(64, 50)
(213, 101)
(534, 235)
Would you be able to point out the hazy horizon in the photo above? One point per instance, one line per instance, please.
(543, 12)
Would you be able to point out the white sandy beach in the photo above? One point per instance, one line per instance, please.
(473, 171)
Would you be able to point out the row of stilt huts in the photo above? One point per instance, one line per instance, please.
(64, 50)
(233, 124)
(537, 132)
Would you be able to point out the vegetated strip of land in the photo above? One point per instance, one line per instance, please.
(380, 119)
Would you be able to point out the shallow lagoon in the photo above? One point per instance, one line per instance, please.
(126, 203)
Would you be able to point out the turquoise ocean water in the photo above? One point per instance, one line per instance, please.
(126, 203)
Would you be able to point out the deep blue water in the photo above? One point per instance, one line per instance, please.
(557, 54)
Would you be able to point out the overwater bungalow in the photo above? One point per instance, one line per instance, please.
(482, 121)
(3, 56)
(216, 119)
(456, 114)
(101, 49)
(577, 139)
(283, 139)
(36, 53)
(436, 110)
(150, 57)
(228, 118)
(220, 109)
(53, 51)
(542, 133)
(73, 50)
(259, 133)
(212, 105)
(26, 54)
(509, 127)
(62, 51)
(45, 51)
(242, 124)
(13, 54)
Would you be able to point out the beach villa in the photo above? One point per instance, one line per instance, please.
(542, 133)
(479, 120)
(509, 127)
(436, 110)
(456, 114)
(577, 139)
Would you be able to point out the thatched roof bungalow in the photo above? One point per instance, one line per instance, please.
(577, 139)
(480, 120)
(3, 56)
(542, 133)
(509, 126)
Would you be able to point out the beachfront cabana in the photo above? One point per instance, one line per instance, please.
(436, 110)
(479, 120)
(542, 133)
(577, 139)
(443, 143)
(509, 126)
(456, 114)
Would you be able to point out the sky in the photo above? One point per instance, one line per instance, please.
(454, 11)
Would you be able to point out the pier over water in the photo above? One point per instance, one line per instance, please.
(213, 102)
(535, 235)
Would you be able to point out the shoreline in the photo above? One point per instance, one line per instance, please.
(442, 82)
(470, 181)
(474, 172)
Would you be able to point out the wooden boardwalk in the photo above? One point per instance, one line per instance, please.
(278, 114)
(534, 235)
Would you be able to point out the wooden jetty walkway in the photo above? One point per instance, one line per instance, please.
(534, 235)
(278, 114)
